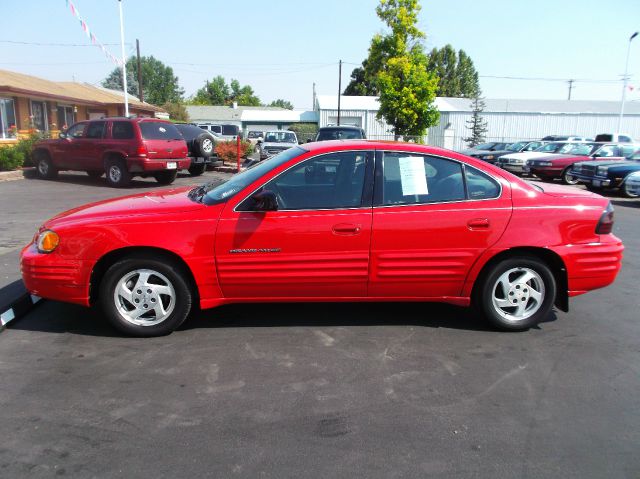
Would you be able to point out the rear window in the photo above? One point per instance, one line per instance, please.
(155, 130)
(339, 134)
(604, 137)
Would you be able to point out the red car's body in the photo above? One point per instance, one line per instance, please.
(409, 252)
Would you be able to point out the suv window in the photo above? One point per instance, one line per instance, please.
(122, 130)
(413, 179)
(230, 130)
(329, 181)
(76, 131)
(216, 129)
(96, 129)
(325, 134)
(155, 130)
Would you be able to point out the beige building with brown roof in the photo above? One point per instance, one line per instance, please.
(32, 103)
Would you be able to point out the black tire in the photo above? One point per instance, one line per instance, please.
(166, 177)
(204, 146)
(624, 191)
(567, 178)
(175, 302)
(117, 174)
(197, 169)
(95, 174)
(494, 298)
(44, 166)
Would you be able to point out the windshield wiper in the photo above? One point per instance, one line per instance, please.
(198, 192)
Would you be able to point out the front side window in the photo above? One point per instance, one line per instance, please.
(76, 131)
(409, 178)
(7, 118)
(331, 181)
(96, 129)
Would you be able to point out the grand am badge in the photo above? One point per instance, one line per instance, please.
(254, 250)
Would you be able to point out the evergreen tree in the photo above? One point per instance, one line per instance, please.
(282, 104)
(457, 74)
(477, 124)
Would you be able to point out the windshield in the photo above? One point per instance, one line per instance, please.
(215, 192)
(483, 146)
(517, 146)
(576, 148)
(280, 137)
(551, 147)
(155, 130)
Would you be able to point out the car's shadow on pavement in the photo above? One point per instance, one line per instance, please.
(56, 317)
(627, 203)
(83, 179)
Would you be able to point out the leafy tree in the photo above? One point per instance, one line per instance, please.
(159, 84)
(406, 88)
(477, 124)
(177, 111)
(217, 92)
(457, 74)
(304, 131)
(282, 104)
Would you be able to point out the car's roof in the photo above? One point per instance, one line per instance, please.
(375, 145)
(335, 127)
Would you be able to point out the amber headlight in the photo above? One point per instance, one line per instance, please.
(48, 241)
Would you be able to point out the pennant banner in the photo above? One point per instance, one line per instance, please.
(91, 35)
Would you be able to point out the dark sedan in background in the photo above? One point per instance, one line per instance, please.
(607, 174)
(517, 147)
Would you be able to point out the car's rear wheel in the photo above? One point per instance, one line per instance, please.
(166, 177)
(145, 297)
(117, 174)
(197, 169)
(627, 192)
(568, 178)
(45, 167)
(517, 293)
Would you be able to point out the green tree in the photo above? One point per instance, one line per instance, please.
(177, 111)
(282, 104)
(159, 84)
(218, 92)
(477, 124)
(407, 89)
(457, 74)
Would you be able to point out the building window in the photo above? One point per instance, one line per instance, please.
(65, 116)
(39, 115)
(7, 118)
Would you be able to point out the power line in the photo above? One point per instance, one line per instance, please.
(564, 80)
(56, 44)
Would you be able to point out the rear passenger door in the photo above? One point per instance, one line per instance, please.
(432, 218)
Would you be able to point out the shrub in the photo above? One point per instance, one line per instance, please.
(228, 150)
(19, 154)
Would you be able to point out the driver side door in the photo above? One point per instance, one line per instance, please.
(316, 244)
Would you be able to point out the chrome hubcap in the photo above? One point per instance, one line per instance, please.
(518, 294)
(207, 145)
(144, 297)
(115, 174)
(43, 167)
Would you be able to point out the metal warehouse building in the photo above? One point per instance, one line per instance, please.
(507, 120)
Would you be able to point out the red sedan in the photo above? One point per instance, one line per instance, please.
(332, 221)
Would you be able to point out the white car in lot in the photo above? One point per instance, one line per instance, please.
(276, 142)
(516, 162)
(633, 183)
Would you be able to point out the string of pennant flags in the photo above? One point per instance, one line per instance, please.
(91, 35)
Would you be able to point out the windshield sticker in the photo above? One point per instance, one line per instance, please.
(162, 129)
(413, 177)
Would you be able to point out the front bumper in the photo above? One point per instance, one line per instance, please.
(597, 181)
(53, 277)
(513, 168)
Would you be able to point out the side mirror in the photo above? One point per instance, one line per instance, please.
(266, 200)
(309, 140)
(62, 135)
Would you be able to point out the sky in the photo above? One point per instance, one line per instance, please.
(282, 47)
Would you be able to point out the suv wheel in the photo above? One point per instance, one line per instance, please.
(117, 174)
(45, 166)
(166, 177)
(204, 146)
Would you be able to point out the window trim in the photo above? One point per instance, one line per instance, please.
(366, 200)
(379, 178)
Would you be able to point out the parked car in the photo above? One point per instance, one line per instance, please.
(493, 155)
(276, 142)
(342, 132)
(633, 184)
(120, 147)
(568, 138)
(559, 166)
(332, 221)
(614, 138)
(201, 147)
(516, 162)
(255, 136)
(485, 148)
(607, 174)
(225, 132)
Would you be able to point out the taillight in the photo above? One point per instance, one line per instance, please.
(142, 151)
(605, 225)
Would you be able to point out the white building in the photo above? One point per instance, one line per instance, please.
(507, 120)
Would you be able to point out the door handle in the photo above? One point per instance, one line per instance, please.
(346, 229)
(478, 224)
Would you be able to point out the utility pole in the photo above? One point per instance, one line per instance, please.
(140, 92)
(124, 63)
(624, 81)
(570, 88)
(339, 88)
(314, 96)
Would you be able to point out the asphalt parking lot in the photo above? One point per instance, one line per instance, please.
(317, 390)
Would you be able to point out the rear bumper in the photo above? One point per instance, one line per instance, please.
(52, 277)
(147, 164)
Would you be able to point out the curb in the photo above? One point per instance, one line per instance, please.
(21, 303)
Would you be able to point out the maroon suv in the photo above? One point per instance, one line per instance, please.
(121, 148)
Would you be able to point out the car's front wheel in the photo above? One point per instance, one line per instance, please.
(45, 167)
(517, 293)
(628, 192)
(568, 178)
(145, 297)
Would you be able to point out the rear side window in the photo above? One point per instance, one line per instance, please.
(230, 130)
(155, 130)
(216, 129)
(122, 130)
(479, 185)
(96, 129)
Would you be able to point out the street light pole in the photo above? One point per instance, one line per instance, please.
(124, 64)
(624, 82)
